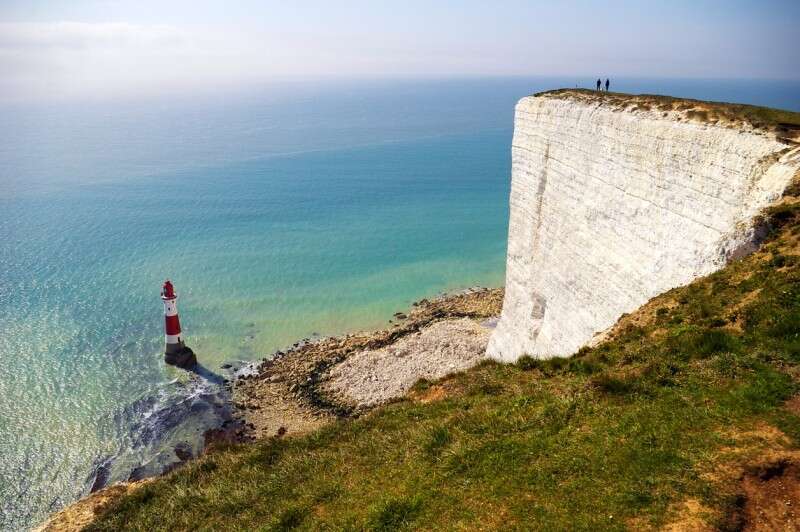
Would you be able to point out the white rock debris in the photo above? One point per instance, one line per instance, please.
(610, 207)
(372, 377)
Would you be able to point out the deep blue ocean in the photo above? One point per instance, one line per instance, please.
(281, 213)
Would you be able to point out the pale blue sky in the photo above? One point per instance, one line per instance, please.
(109, 46)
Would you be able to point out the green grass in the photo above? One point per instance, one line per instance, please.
(614, 437)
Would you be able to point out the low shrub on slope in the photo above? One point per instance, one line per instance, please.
(668, 421)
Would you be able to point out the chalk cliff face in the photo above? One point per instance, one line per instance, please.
(612, 205)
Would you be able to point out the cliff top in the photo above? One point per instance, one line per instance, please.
(785, 125)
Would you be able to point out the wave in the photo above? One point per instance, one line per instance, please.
(164, 428)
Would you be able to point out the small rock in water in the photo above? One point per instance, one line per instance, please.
(184, 359)
(183, 451)
(100, 478)
(137, 474)
(226, 366)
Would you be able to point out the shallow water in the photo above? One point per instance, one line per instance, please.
(278, 215)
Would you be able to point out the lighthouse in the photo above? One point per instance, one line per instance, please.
(175, 351)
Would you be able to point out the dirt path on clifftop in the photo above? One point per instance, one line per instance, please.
(314, 383)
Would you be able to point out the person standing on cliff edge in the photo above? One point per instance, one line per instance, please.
(598, 83)
(607, 84)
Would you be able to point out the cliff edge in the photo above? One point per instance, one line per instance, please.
(618, 198)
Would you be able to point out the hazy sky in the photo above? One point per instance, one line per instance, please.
(108, 47)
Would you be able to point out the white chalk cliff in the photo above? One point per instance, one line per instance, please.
(612, 204)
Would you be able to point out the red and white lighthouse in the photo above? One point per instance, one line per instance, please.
(174, 343)
(175, 351)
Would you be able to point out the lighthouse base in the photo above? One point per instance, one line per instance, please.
(183, 358)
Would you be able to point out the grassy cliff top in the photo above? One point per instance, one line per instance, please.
(783, 124)
(688, 414)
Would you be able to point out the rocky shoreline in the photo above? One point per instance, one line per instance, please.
(314, 383)
(317, 382)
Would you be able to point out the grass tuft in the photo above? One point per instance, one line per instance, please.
(290, 519)
(439, 439)
(395, 514)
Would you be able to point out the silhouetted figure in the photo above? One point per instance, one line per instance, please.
(599, 83)
(607, 84)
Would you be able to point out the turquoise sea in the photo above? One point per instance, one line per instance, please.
(282, 213)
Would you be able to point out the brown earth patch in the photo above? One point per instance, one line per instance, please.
(660, 332)
(737, 323)
(78, 515)
(691, 516)
(794, 373)
(746, 445)
(793, 404)
(759, 475)
(745, 300)
(764, 433)
(769, 498)
(433, 393)
(729, 463)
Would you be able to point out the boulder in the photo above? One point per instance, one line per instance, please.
(184, 359)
